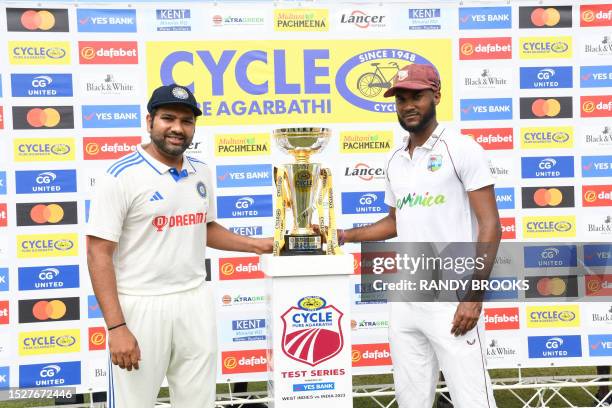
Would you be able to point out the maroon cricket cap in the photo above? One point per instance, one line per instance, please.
(415, 77)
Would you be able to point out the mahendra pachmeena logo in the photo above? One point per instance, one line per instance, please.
(363, 79)
(311, 331)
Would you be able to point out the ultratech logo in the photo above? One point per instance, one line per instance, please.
(43, 117)
(545, 47)
(553, 316)
(49, 342)
(492, 138)
(502, 318)
(108, 52)
(371, 355)
(485, 48)
(549, 227)
(363, 20)
(598, 285)
(39, 53)
(364, 324)
(45, 20)
(365, 172)
(547, 197)
(424, 19)
(508, 226)
(549, 17)
(164, 222)
(97, 338)
(597, 196)
(244, 361)
(486, 78)
(301, 20)
(243, 300)
(547, 137)
(237, 20)
(546, 77)
(556, 286)
(4, 312)
(51, 309)
(240, 268)
(36, 149)
(173, 19)
(546, 107)
(47, 245)
(597, 45)
(597, 106)
(109, 148)
(49, 213)
(366, 141)
(595, 15)
(242, 145)
(107, 85)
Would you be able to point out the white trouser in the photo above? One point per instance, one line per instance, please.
(422, 344)
(177, 337)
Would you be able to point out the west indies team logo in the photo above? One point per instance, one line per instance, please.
(311, 331)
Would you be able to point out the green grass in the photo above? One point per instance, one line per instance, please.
(504, 398)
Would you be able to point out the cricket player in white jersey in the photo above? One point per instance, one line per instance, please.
(151, 218)
(439, 189)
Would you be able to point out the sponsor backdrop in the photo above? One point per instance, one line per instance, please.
(530, 82)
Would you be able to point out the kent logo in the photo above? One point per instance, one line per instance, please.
(486, 109)
(504, 197)
(252, 175)
(596, 166)
(546, 77)
(248, 231)
(596, 76)
(485, 18)
(110, 116)
(106, 21)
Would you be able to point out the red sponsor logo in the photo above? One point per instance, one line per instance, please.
(244, 361)
(596, 285)
(1, 118)
(357, 263)
(3, 216)
(492, 138)
(485, 48)
(108, 148)
(508, 225)
(97, 338)
(368, 355)
(162, 222)
(501, 318)
(108, 52)
(597, 196)
(596, 106)
(4, 312)
(595, 15)
(240, 268)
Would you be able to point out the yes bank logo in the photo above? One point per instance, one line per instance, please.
(48, 277)
(504, 197)
(50, 375)
(106, 21)
(598, 255)
(600, 345)
(546, 77)
(2, 182)
(111, 116)
(5, 379)
(364, 203)
(41, 85)
(596, 166)
(4, 279)
(482, 18)
(486, 109)
(253, 175)
(244, 206)
(596, 76)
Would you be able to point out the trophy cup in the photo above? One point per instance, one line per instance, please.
(303, 186)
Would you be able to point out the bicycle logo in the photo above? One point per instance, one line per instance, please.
(371, 84)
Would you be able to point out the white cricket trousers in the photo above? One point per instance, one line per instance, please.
(422, 344)
(177, 337)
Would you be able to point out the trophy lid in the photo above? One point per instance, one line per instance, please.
(300, 140)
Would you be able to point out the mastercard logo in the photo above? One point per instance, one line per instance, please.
(227, 269)
(590, 196)
(588, 107)
(47, 117)
(588, 16)
(226, 299)
(551, 286)
(355, 356)
(92, 148)
(38, 20)
(97, 339)
(548, 196)
(545, 107)
(45, 310)
(230, 363)
(467, 49)
(549, 17)
(42, 213)
(88, 53)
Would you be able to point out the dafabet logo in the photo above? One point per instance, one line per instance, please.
(244, 361)
(485, 48)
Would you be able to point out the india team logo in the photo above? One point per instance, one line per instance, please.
(311, 331)
(435, 162)
(201, 189)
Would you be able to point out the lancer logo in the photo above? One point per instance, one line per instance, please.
(311, 331)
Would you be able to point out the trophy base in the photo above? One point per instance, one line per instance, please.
(302, 244)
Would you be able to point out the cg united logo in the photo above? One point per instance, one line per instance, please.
(311, 331)
(363, 79)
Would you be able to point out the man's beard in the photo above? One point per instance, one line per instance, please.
(170, 150)
(427, 118)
